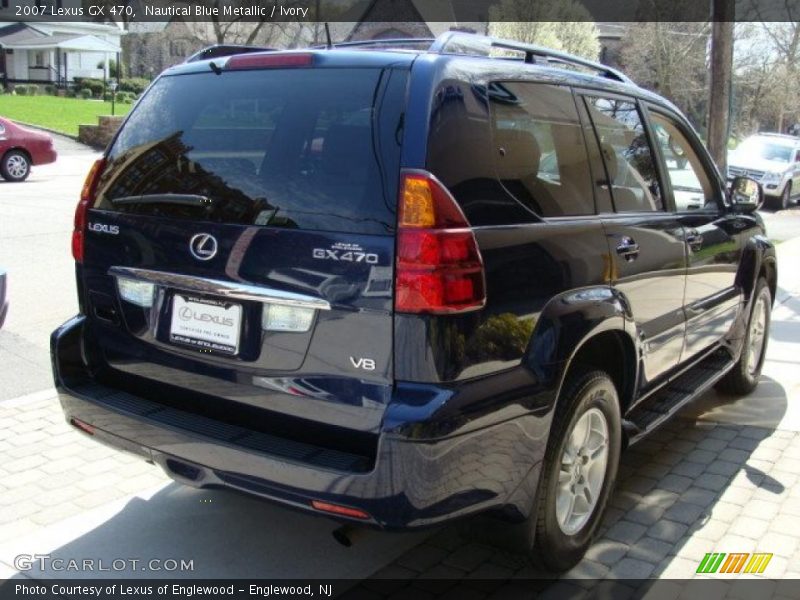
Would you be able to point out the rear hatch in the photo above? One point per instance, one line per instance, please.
(240, 243)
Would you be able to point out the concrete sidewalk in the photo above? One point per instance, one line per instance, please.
(722, 478)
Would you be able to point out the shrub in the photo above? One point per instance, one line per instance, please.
(135, 85)
(96, 85)
(85, 93)
(50, 90)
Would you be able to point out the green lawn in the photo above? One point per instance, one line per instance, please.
(59, 114)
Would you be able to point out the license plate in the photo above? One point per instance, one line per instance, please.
(206, 324)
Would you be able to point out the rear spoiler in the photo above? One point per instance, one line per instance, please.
(220, 50)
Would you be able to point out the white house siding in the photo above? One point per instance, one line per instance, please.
(84, 64)
(17, 64)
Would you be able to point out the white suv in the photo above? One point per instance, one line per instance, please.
(773, 159)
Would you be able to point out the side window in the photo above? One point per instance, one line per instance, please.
(539, 149)
(628, 158)
(691, 185)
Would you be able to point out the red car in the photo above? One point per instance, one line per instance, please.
(21, 148)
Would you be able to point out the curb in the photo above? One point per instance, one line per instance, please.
(74, 138)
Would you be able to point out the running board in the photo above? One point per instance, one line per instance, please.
(655, 410)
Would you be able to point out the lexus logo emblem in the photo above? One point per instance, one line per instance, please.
(203, 246)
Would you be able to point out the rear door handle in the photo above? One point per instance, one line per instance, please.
(628, 249)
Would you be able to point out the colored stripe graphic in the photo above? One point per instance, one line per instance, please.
(734, 562)
(758, 562)
(711, 562)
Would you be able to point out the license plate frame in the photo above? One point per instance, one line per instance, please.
(206, 324)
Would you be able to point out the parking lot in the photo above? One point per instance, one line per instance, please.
(722, 478)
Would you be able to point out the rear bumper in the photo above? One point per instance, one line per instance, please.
(411, 484)
(44, 156)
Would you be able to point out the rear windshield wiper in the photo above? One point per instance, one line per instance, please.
(183, 199)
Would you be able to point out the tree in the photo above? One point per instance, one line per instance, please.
(558, 24)
(670, 58)
(720, 88)
(765, 80)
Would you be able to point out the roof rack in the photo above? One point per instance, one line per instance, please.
(459, 42)
(390, 42)
(451, 42)
(220, 50)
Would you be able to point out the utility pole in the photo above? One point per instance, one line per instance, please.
(719, 101)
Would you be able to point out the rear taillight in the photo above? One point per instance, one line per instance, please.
(82, 210)
(269, 61)
(439, 266)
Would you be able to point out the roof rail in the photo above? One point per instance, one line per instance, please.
(220, 50)
(426, 42)
(459, 42)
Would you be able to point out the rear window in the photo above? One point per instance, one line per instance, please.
(313, 149)
(540, 154)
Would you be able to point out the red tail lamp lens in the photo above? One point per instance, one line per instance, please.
(81, 211)
(439, 265)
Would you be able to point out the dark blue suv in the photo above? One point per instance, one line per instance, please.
(403, 284)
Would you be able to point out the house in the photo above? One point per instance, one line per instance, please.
(56, 53)
(611, 37)
(151, 47)
(387, 19)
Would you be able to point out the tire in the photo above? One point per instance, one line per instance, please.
(743, 377)
(782, 201)
(16, 166)
(561, 536)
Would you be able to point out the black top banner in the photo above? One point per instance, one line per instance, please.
(459, 13)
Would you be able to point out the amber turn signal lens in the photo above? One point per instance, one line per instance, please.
(416, 203)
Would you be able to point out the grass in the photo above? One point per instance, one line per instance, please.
(59, 114)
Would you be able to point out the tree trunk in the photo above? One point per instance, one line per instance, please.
(720, 92)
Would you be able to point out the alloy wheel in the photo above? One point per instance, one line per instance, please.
(583, 471)
(758, 335)
(17, 166)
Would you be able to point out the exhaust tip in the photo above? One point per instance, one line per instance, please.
(341, 535)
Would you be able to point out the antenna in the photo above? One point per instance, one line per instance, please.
(328, 36)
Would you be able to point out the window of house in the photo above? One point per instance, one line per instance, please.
(628, 158)
(539, 148)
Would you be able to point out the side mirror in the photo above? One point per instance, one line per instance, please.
(746, 194)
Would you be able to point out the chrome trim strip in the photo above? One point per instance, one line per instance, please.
(224, 289)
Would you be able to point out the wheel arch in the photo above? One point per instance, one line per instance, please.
(590, 328)
(758, 259)
(22, 150)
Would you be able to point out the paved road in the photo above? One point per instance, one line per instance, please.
(724, 478)
(35, 231)
(782, 225)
